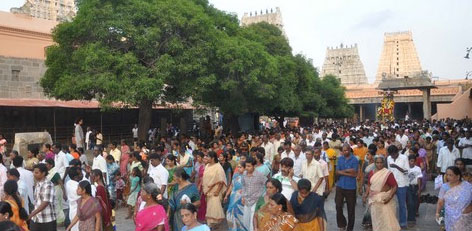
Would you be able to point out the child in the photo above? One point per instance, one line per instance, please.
(113, 223)
(119, 186)
(414, 176)
(135, 188)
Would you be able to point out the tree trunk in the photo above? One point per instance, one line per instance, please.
(145, 117)
(230, 123)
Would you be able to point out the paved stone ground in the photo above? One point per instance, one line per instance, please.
(425, 222)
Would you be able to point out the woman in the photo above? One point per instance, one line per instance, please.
(262, 213)
(88, 210)
(153, 216)
(188, 212)
(369, 165)
(102, 197)
(280, 219)
(223, 159)
(308, 208)
(124, 159)
(31, 159)
(113, 169)
(171, 166)
(186, 160)
(135, 187)
(234, 213)
(382, 187)
(47, 149)
(185, 192)
(201, 212)
(73, 151)
(5, 211)
(456, 197)
(260, 166)
(19, 215)
(214, 186)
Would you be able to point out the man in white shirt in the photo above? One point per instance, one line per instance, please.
(276, 141)
(135, 132)
(287, 151)
(26, 177)
(87, 138)
(324, 168)
(414, 179)
(311, 170)
(269, 149)
(310, 141)
(99, 162)
(447, 156)
(286, 177)
(158, 173)
(76, 176)
(115, 152)
(298, 159)
(402, 138)
(398, 165)
(79, 133)
(465, 143)
(60, 159)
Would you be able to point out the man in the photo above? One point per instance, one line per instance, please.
(76, 176)
(346, 171)
(3, 143)
(398, 165)
(287, 151)
(60, 159)
(286, 177)
(298, 160)
(310, 141)
(43, 217)
(135, 132)
(311, 170)
(465, 143)
(13, 174)
(325, 169)
(88, 135)
(253, 183)
(99, 162)
(269, 149)
(79, 133)
(331, 159)
(447, 156)
(158, 173)
(28, 179)
(115, 152)
(402, 138)
(276, 141)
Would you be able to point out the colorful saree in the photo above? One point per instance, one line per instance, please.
(201, 213)
(214, 175)
(102, 198)
(124, 159)
(86, 213)
(456, 199)
(383, 215)
(282, 222)
(15, 218)
(151, 217)
(234, 215)
(174, 203)
(309, 212)
(170, 189)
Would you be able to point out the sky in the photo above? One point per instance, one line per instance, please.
(442, 29)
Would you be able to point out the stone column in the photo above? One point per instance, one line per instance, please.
(427, 103)
(361, 112)
(375, 112)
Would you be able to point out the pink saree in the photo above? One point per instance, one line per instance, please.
(151, 217)
(124, 160)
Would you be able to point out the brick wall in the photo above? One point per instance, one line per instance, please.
(19, 77)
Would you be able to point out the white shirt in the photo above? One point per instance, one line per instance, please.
(466, 152)
(446, 158)
(290, 155)
(402, 162)
(269, 151)
(160, 175)
(100, 163)
(61, 163)
(402, 140)
(23, 191)
(414, 174)
(87, 136)
(310, 143)
(28, 179)
(313, 172)
(135, 132)
(72, 197)
(3, 178)
(287, 189)
(297, 164)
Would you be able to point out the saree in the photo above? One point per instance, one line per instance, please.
(263, 169)
(174, 204)
(86, 213)
(124, 159)
(234, 215)
(383, 215)
(186, 160)
(151, 217)
(282, 222)
(262, 212)
(170, 189)
(201, 213)
(456, 199)
(213, 175)
(15, 218)
(309, 212)
(102, 198)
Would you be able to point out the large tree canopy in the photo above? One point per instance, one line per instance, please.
(139, 52)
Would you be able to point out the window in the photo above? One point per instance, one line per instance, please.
(15, 75)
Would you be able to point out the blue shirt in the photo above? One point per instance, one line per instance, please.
(347, 182)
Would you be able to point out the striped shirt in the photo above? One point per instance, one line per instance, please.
(44, 192)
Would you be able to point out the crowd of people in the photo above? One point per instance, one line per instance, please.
(272, 179)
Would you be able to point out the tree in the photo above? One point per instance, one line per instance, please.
(135, 52)
(334, 95)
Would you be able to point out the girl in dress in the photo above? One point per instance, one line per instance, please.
(135, 180)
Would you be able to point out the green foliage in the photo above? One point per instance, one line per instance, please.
(334, 95)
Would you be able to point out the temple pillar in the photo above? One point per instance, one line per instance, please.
(375, 111)
(361, 112)
(426, 103)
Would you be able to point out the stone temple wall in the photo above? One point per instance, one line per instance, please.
(399, 58)
(270, 16)
(345, 63)
(19, 77)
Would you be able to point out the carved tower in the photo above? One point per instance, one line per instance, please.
(270, 16)
(55, 10)
(345, 63)
(399, 58)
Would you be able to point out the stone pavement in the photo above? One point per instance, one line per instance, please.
(425, 222)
